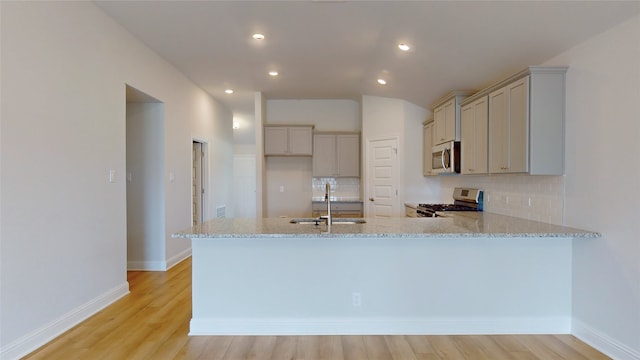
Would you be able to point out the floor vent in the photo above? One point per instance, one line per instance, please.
(221, 212)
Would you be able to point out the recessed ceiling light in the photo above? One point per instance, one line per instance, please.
(273, 73)
(229, 91)
(404, 47)
(382, 82)
(258, 36)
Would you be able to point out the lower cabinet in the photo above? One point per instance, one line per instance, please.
(345, 209)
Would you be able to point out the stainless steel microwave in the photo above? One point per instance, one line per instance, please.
(445, 158)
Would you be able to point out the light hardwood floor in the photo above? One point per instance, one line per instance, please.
(153, 321)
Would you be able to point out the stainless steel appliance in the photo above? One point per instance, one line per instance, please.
(465, 199)
(445, 158)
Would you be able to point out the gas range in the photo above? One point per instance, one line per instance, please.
(465, 199)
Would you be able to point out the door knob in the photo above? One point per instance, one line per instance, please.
(371, 199)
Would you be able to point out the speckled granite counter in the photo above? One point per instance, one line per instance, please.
(345, 199)
(458, 225)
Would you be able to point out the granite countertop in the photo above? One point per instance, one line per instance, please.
(480, 224)
(337, 199)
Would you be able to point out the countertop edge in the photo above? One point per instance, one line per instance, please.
(390, 235)
(477, 225)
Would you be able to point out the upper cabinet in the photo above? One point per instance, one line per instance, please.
(288, 140)
(508, 129)
(427, 145)
(474, 124)
(526, 122)
(514, 126)
(446, 114)
(336, 155)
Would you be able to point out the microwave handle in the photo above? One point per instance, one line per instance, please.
(442, 159)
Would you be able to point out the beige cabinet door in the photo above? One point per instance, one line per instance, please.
(498, 131)
(348, 155)
(509, 128)
(336, 155)
(288, 140)
(324, 155)
(518, 132)
(445, 122)
(474, 137)
(275, 140)
(300, 140)
(427, 147)
(439, 126)
(450, 120)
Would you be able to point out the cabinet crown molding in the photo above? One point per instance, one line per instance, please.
(517, 76)
(336, 133)
(290, 125)
(451, 95)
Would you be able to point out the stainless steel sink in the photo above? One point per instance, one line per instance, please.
(307, 221)
(349, 221)
(316, 221)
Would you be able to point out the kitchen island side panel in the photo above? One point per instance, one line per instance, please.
(405, 285)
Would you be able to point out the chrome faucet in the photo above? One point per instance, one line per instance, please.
(327, 198)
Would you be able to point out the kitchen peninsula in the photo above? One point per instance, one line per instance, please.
(475, 273)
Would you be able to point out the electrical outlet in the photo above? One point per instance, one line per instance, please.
(281, 188)
(356, 299)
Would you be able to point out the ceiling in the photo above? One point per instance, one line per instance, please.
(327, 49)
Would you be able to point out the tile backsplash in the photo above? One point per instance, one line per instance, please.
(538, 198)
(343, 188)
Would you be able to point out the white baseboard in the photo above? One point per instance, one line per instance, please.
(146, 266)
(158, 265)
(32, 341)
(379, 326)
(603, 343)
(175, 260)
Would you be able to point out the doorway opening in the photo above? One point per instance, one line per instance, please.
(199, 180)
(146, 244)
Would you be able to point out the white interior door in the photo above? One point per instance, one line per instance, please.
(382, 178)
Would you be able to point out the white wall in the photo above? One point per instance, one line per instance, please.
(417, 187)
(387, 117)
(64, 69)
(295, 173)
(145, 186)
(326, 115)
(602, 178)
